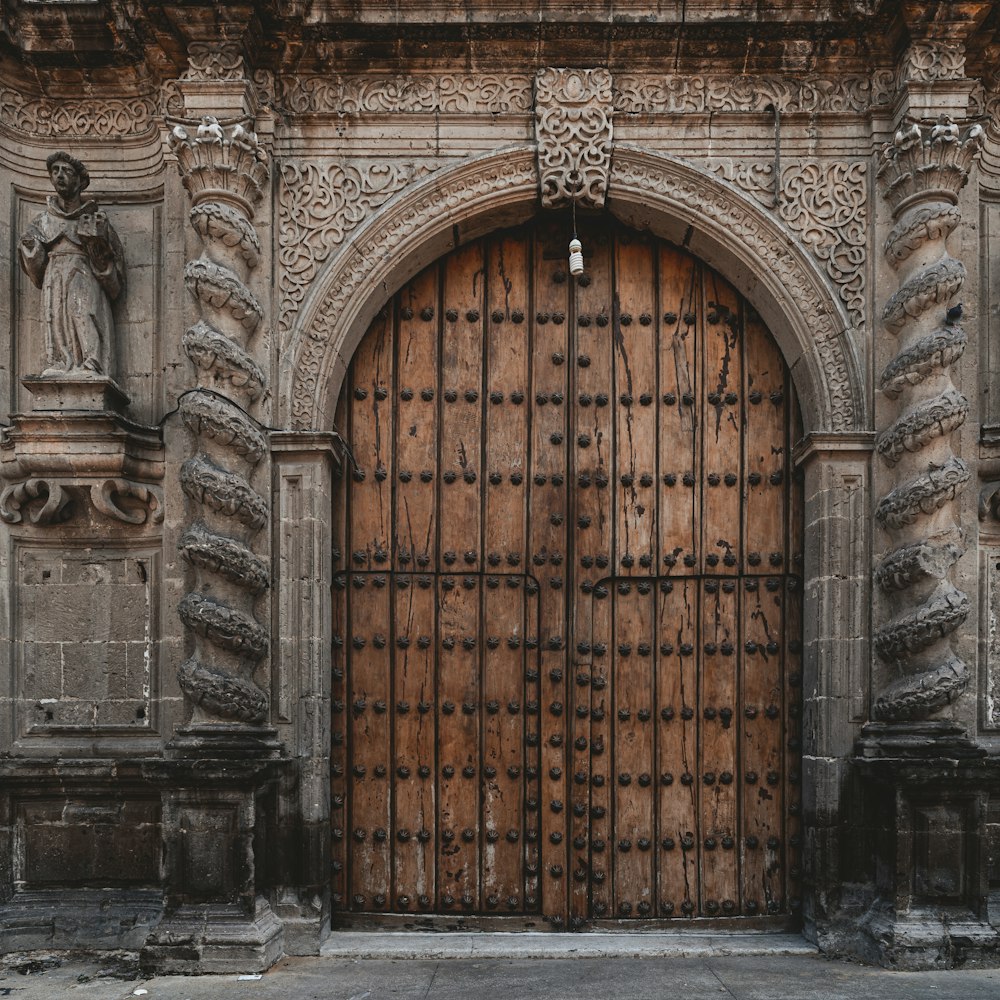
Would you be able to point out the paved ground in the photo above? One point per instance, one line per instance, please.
(747, 977)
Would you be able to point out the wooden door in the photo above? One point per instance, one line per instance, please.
(567, 606)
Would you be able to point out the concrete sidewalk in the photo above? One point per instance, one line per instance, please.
(742, 977)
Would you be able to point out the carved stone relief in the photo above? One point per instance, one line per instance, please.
(319, 204)
(225, 171)
(214, 61)
(826, 204)
(54, 501)
(675, 94)
(449, 93)
(573, 130)
(93, 117)
(927, 61)
(921, 173)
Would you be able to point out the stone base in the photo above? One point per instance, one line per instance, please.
(64, 919)
(926, 938)
(69, 393)
(225, 740)
(214, 938)
(306, 920)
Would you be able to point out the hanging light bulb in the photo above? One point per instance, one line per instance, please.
(575, 246)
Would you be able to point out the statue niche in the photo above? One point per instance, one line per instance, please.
(73, 254)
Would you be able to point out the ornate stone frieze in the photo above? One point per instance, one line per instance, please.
(92, 117)
(679, 94)
(921, 172)
(573, 130)
(318, 205)
(449, 93)
(225, 171)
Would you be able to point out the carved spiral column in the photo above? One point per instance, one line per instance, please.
(921, 173)
(225, 173)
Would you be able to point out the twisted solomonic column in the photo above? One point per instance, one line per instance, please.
(921, 173)
(225, 173)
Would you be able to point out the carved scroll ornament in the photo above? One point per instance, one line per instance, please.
(573, 130)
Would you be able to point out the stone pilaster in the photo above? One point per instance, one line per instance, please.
(220, 777)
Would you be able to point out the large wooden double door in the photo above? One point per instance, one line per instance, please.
(567, 627)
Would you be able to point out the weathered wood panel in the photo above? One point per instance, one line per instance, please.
(568, 675)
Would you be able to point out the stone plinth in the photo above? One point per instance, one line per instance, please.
(68, 393)
(76, 439)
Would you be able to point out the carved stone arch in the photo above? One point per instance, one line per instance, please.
(666, 196)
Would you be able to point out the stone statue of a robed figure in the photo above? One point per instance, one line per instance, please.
(73, 254)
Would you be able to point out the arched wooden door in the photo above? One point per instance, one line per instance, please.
(567, 631)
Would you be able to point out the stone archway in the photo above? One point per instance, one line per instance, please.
(667, 196)
(762, 260)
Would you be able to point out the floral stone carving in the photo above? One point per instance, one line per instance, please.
(573, 129)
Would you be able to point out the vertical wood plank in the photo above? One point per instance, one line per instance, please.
(504, 531)
(460, 558)
(371, 520)
(547, 816)
(414, 807)
(634, 488)
(678, 772)
(719, 323)
(592, 448)
(719, 857)
(762, 641)
(678, 416)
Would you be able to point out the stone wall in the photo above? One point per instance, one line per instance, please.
(274, 173)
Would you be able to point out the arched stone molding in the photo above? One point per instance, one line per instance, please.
(670, 198)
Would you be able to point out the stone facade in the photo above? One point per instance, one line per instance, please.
(274, 172)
